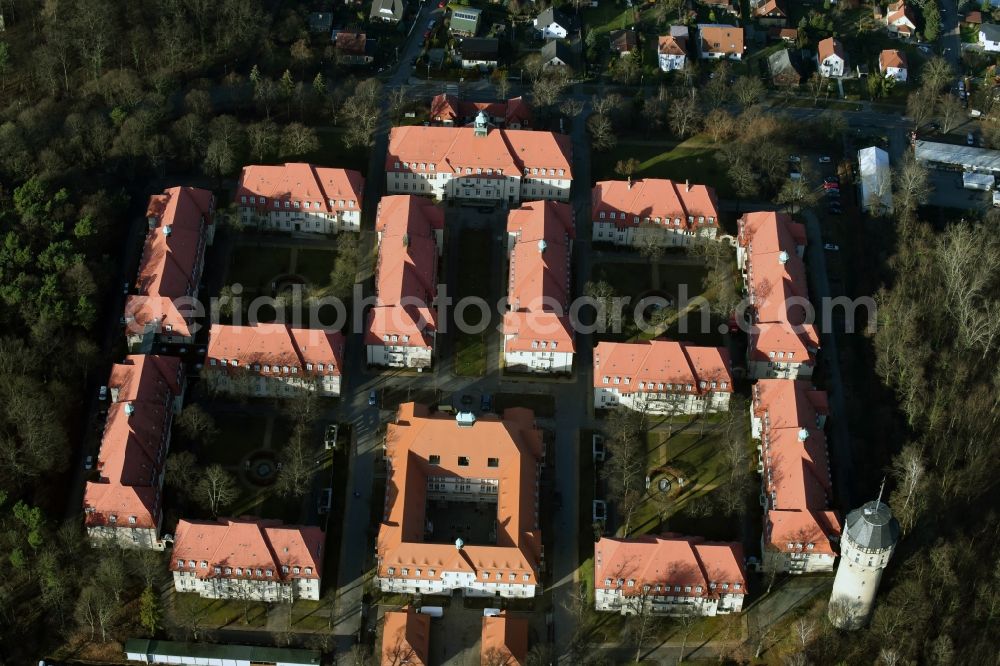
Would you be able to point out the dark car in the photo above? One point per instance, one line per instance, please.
(832, 179)
(372, 398)
(486, 402)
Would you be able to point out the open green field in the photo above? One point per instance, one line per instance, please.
(218, 613)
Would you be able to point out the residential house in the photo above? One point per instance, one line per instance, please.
(480, 52)
(989, 37)
(537, 333)
(722, 6)
(274, 361)
(782, 343)
(623, 42)
(831, 58)
(449, 110)
(402, 326)
(662, 377)
(671, 49)
(653, 210)
(557, 53)
(354, 48)
(162, 308)
(504, 641)
(406, 636)
(901, 20)
(668, 575)
(479, 163)
(771, 13)
(462, 502)
(124, 506)
(465, 21)
(787, 35)
(973, 18)
(389, 11)
(785, 67)
(300, 197)
(553, 24)
(247, 558)
(800, 529)
(720, 41)
(892, 64)
(876, 180)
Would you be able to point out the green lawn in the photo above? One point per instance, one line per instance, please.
(473, 266)
(218, 613)
(470, 355)
(256, 267)
(239, 435)
(607, 16)
(693, 159)
(315, 266)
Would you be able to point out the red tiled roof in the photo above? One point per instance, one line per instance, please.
(308, 351)
(724, 39)
(446, 107)
(406, 274)
(891, 58)
(256, 546)
(450, 148)
(351, 42)
(670, 45)
(540, 261)
(662, 362)
(515, 443)
(800, 527)
(623, 41)
(323, 188)
(669, 560)
(172, 257)
(133, 445)
(771, 8)
(504, 640)
(406, 638)
(829, 47)
(650, 198)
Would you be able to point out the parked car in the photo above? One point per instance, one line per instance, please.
(88, 463)
(427, 34)
(325, 499)
(600, 511)
(832, 179)
(330, 437)
(833, 194)
(831, 186)
(824, 160)
(125, 287)
(372, 398)
(834, 210)
(831, 247)
(486, 403)
(970, 139)
(102, 393)
(795, 176)
(431, 24)
(795, 159)
(442, 4)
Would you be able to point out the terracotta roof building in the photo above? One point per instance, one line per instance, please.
(662, 377)
(800, 529)
(299, 197)
(720, 41)
(479, 163)
(770, 12)
(504, 641)
(892, 62)
(669, 574)
(247, 558)
(623, 42)
(671, 49)
(125, 505)
(449, 110)
(626, 212)
(782, 342)
(461, 508)
(406, 636)
(537, 333)
(401, 328)
(901, 20)
(274, 360)
(832, 57)
(180, 226)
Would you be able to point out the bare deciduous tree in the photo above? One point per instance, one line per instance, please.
(217, 488)
(720, 124)
(602, 134)
(685, 113)
(748, 90)
(950, 111)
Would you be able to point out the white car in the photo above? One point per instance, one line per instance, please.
(831, 247)
(600, 512)
(795, 159)
(102, 394)
(825, 160)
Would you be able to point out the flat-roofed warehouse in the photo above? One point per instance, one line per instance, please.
(146, 651)
(968, 158)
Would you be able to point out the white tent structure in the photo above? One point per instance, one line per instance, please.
(876, 181)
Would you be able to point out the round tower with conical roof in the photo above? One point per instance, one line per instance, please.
(869, 538)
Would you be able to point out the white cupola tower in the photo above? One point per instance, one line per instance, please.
(481, 125)
(869, 538)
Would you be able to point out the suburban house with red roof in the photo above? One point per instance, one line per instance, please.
(125, 505)
(537, 333)
(782, 342)
(461, 507)
(300, 197)
(901, 20)
(504, 641)
(451, 111)
(479, 163)
(669, 574)
(247, 558)
(892, 63)
(406, 636)
(273, 360)
(771, 13)
(720, 41)
(831, 57)
(162, 308)
(402, 326)
(653, 210)
(671, 49)
(662, 377)
(801, 531)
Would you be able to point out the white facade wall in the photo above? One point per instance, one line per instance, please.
(273, 386)
(607, 397)
(538, 361)
(400, 356)
(858, 578)
(797, 562)
(220, 587)
(665, 604)
(467, 582)
(832, 66)
(988, 44)
(898, 73)
(480, 186)
(302, 220)
(779, 370)
(552, 30)
(124, 536)
(673, 235)
(671, 62)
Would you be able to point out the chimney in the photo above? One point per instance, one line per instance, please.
(129, 409)
(687, 184)
(459, 544)
(166, 230)
(630, 181)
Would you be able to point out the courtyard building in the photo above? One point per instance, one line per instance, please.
(406, 636)
(504, 640)
(402, 326)
(801, 531)
(537, 333)
(273, 361)
(668, 575)
(662, 377)
(479, 163)
(299, 197)
(782, 342)
(160, 310)
(124, 506)
(247, 559)
(653, 211)
(461, 506)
